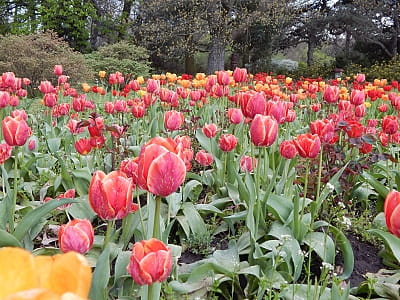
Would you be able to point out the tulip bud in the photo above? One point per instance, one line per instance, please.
(210, 130)
(203, 158)
(150, 261)
(77, 235)
(287, 149)
(263, 130)
(15, 131)
(227, 142)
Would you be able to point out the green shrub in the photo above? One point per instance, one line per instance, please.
(124, 57)
(34, 55)
(389, 70)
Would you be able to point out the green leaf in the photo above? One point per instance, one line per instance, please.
(280, 207)
(101, 276)
(392, 242)
(195, 221)
(81, 209)
(322, 244)
(7, 239)
(347, 251)
(121, 263)
(192, 190)
(34, 216)
(53, 144)
(379, 187)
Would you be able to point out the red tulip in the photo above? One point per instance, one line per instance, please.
(109, 107)
(253, 105)
(360, 111)
(331, 94)
(138, 109)
(235, 115)
(46, 87)
(210, 130)
(308, 145)
(240, 75)
(152, 85)
(223, 77)
(67, 194)
(357, 97)
(50, 99)
(360, 78)
(324, 129)
(15, 130)
(130, 168)
(287, 149)
(77, 235)
(263, 130)
(58, 70)
(354, 129)
(247, 163)
(383, 107)
(160, 170)
(150, 261)
(5, 152)
(392, 212)
(83, 146)
(204, 158)
(390, 124)
(4, 99)
(227, 142)
(110, 196)
(173, 120)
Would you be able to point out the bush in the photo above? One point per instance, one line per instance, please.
(124, 57)
(34, 55)
(389, 70)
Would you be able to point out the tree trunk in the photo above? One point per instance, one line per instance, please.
(310, 52)
(190, 66)
(216, 54)
(125, 16)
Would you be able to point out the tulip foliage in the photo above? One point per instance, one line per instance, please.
(255, 174)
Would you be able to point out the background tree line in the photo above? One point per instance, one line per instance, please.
(195, 35)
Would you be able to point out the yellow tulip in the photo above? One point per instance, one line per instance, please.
(62, 276)
(102, 74)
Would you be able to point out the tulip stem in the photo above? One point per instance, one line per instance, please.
(15, 191)
(156, 226)
(110, 227)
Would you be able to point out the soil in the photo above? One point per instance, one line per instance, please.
(366, 260)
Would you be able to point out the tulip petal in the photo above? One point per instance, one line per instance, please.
(166, 173)
(395, 221)
(64, 273)
(17, 271)
(391, 202)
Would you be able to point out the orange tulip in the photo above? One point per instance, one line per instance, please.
(24, 276)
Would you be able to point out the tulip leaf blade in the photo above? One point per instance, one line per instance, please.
(392, 242)
(101, 276)
(7, 239)
(33, 217)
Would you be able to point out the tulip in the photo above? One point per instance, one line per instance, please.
(287, 149)
(58, 70)
(68, 194)
(390, 124)
(110, 196)
(253, 105)
(150, 262)
(83, 146)
(383, 138)
(324, 129)
(278, 110)
(357, 97)
(120, 105)
(77, 235)
(360, 110)
(210, 130)
(360, 78)
(130, 168)
(331, 94)
(173, 120)
(138, 110)
(50, 99)
(227, 142)
(240, 75)
(15, 130)
(235, 115)
(307, 145)
(5, 152)
(383, 108)
(160, 170)
(46, 87)
(263, 130)
(223, 78)
(354, 129)
(4, 99)
(109, 107)
(152, 85)
(204, 158)
(102, 74)
(392, 212)
(247, 163)
(61, 276)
